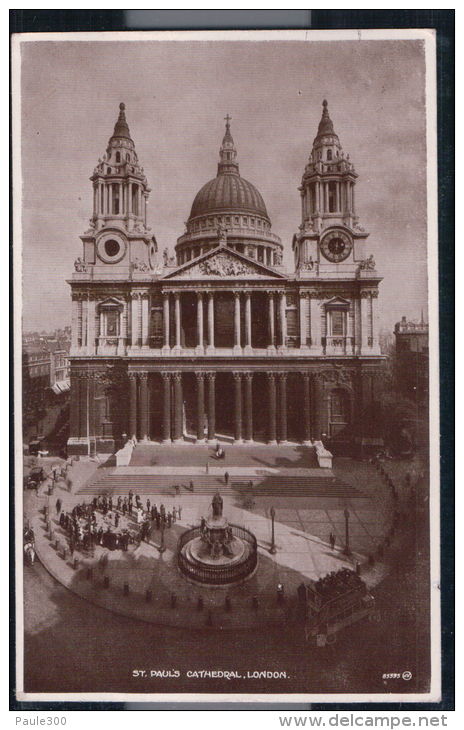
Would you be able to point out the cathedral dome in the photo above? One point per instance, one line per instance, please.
(232, 205)
(228, 192)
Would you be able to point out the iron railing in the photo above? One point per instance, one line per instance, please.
(218, 574)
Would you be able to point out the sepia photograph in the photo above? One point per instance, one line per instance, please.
(226, 325)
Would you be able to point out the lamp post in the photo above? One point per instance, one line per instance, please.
(273, 548)
(347, 550)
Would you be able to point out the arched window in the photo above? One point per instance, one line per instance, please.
(118, 157)
(329, 154)
(135, 199)
(115, 190)
(332, 196)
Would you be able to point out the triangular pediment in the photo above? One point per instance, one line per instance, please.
(337, 302)
(223, 263)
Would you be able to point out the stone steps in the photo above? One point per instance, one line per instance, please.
(281, 485)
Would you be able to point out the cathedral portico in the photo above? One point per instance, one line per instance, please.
(222, 341)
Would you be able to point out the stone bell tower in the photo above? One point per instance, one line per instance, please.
(330, 240)
(118, 240)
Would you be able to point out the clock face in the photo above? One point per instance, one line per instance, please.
(336, 246)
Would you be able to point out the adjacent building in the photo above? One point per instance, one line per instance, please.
(220, 340)
(412, 359)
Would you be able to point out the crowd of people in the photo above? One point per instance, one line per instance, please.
(114, 523)
(338, 582)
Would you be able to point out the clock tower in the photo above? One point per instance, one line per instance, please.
(330, 242)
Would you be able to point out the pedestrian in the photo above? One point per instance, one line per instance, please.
(174, 514)
(192, 488)
(332, 540)
(226, 477)
(153, 512)
(119, 503)
(130, 505)
(179, 512)
(148, 505)
(58, 506)
(202, 525)
(162, 511)
(116, 519)
(169, 518)
(158, 521)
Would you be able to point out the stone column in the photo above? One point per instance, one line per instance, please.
(238, 406)
(211, 320)
(134, 319)
(283, 320)
(211, 405)
(337, 197)
(123, 330)
(365, 304)
(166, 344)
(283, 407)
(249, 406)
(83, 400)
(303, 320)
(307, 407)
(200, 320)
(200, 406)
(74, 406)
(271, 320)
(144, 407)
(129, 201)
(237, 332)
(145, 301)
(318, 407)
(315, 323)
(177, 317)
(74, 324)
(178, 407)
(272, 408)
(166, 407)
(248, 320)
(132, 405)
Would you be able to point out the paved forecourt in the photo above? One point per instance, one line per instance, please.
(303, 523)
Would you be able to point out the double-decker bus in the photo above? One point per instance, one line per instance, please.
(334, 602)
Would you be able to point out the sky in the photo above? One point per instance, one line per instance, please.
(177, 95)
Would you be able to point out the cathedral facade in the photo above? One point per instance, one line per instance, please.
(220, 341)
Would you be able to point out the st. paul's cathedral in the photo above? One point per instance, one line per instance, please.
(221, 341)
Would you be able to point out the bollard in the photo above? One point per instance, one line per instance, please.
(200, 604)
(255, 603)
(75, 563)
(209, 619)
(125, 589)
(228, 604)
(89, 573)
(64, 552)
(106, 581)
(173, 600)
(148, 596)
